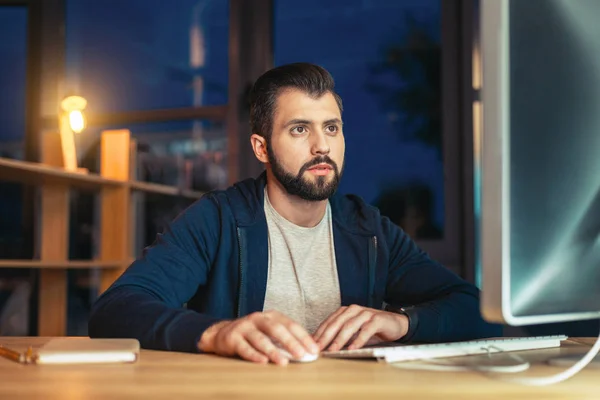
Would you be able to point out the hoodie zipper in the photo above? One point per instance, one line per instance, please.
(241, 270)
(372, 267)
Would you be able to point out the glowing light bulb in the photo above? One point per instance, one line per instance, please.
(74, 106)
(76, 121)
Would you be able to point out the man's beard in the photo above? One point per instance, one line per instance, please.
(319, 190)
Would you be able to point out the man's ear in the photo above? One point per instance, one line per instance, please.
(259, 146)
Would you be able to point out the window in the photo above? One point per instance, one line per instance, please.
(14, 283)
(13, 53)
(386, 59)
(129, 59)
(147, 54)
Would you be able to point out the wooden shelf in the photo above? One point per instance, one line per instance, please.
(156, 188)
(70, 264)
(35, 174)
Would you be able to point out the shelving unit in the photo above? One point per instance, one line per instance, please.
(115, 186)
(39, 174)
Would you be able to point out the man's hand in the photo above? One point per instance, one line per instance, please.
(365, 325)
(253, 337)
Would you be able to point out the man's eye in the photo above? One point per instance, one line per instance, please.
(332, 128)
(299, 130)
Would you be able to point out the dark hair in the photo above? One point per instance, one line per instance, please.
(309, 78)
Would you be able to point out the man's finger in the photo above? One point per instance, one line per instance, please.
(297, 330)
(351, 327)
(246, 351)
(335, 325)
(264, 345)
(319, 332)
(280, 334)
(367, 331)
(300, 333)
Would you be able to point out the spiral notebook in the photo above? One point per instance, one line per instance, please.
(78, 351)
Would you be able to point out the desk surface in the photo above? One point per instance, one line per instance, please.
(177, 375)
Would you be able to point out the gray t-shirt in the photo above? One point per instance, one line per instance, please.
(302, 281)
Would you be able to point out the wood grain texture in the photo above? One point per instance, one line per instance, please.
(160, 375)
(114, 232)
(40, 174)
(157, 188)
(115, 203)
(114, 154)
(54, 246)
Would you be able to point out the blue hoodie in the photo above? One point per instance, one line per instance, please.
(211, 264)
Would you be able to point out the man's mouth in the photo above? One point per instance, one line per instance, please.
(320, 169)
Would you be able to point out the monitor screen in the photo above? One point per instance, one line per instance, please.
(540, 160)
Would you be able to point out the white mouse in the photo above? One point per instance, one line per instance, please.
(307, 357)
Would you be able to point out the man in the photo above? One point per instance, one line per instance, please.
(282, 262)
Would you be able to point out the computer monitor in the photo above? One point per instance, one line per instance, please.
(540, 161)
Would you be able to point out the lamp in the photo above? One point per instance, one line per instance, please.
(74, 106)
(71, 120)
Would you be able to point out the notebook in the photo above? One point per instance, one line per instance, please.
(82, 351)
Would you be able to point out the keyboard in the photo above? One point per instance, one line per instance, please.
(413, 352)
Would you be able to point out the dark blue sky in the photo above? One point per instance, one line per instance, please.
(13, 62)
(135, 54)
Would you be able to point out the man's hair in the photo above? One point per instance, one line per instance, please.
(309, 78)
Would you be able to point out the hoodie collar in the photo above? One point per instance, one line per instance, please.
(349, 212)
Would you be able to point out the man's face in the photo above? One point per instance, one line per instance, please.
(306, 148)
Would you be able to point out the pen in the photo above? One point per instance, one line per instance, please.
(11, 354)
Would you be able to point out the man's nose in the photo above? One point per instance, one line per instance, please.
(320, 144)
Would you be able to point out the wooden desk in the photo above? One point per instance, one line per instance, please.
(176, 376)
